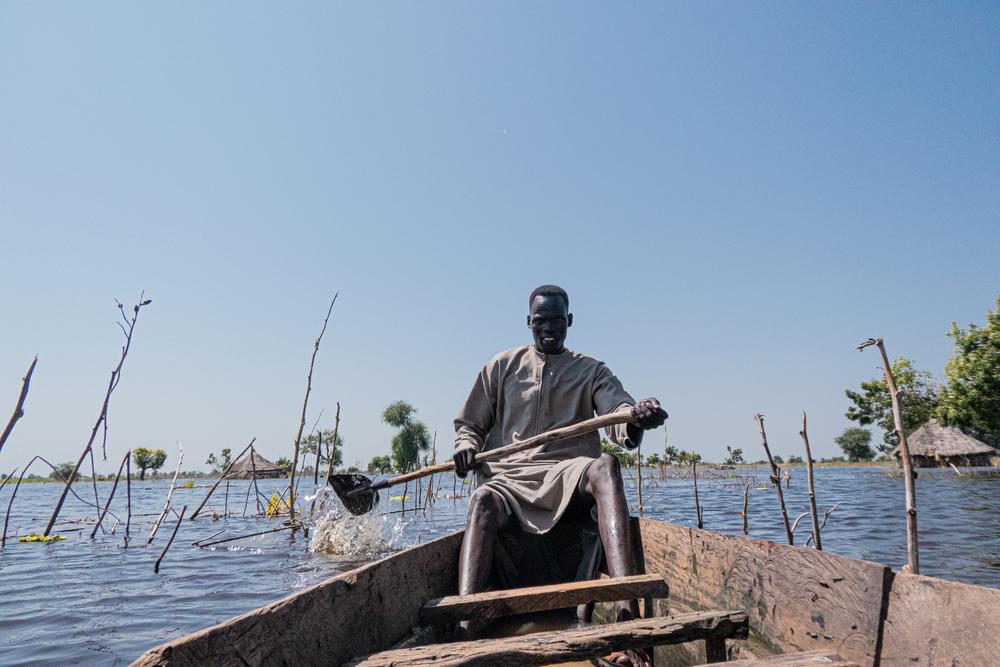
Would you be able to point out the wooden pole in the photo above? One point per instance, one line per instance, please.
(697, 503)
(912, 543)
(775, 478)
(302, 421)
(128, 489)
(19, 408)
(333, 443)
(319, 450)
(638, 480)
(170, 493)
(111, 495)
(746, 507)
(225, 472)
(812, 487)
(156, 565)
(253, 476)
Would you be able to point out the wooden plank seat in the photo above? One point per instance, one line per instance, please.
(806, 659)
(495, 604)
(590, 641)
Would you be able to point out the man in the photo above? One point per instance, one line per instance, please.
(529, 390)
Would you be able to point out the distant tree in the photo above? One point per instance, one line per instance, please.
(856, 443)
(873, 405)
(670, 454)
(779, 460)
(693, 457)
(379, 464)
(793, 458)
(62, 471)
(221, 463)
(412, 438)
(309, 444)
(653, 460)
(735, 456)
(353, 469)
(148, 459)
(971, 398)
(284, 463)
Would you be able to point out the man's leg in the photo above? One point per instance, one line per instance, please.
(475, 564)
(602, 481)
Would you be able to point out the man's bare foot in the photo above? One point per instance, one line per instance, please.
(630, 658)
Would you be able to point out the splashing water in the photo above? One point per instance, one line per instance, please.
(341, 533)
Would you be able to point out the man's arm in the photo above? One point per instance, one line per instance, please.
(475, 419)
(610, 396)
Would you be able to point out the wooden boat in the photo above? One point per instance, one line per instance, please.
(730, 597)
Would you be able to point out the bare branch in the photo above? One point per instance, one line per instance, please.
(100, 419)
(19, 408)
(305, 405)
(775, 477)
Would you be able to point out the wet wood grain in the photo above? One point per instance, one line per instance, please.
(806, 659)
(356, 613)
(932, 622)
(544, 648)
(796, 599)
(496, 604)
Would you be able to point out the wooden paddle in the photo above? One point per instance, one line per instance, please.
(359, 494)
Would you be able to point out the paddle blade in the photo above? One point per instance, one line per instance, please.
(355, 491)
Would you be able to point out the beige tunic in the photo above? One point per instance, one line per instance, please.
(521, 393)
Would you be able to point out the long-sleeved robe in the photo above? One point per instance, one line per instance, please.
(523, 392)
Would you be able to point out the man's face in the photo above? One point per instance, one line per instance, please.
(548, 320)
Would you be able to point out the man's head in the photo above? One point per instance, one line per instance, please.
(549, 317)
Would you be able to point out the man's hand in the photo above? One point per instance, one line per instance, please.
(648, 414)
(465, 459)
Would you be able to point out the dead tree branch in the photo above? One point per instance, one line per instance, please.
(170, 493)
(746, 507)
(775, 477)
(116, 375)
(156, 565)
(333, 444)
(912, 543)
(697, 502)
(812, 488)
(243, 537)
(305, 405)
(19, 409)
(111, 496)
(826, 516)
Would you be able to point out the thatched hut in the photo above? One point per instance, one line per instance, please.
(934, 445)
(259, 467)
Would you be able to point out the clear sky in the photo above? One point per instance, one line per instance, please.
(734, 195)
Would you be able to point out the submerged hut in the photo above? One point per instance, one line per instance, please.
(258, 467)
(934, 445)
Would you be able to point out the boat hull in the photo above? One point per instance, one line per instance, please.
(796, 599)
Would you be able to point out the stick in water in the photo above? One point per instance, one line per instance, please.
(156, 566)
(912, 544)
(812, 488)
(775, 478)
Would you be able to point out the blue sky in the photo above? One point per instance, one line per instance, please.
(733, 194)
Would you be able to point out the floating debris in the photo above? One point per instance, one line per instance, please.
(38, 537)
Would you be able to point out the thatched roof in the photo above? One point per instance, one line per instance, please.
(244, 469)
(933, 438)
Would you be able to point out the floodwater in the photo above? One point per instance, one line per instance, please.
(83, 601)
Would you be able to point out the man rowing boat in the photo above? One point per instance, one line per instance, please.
(523, 392)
